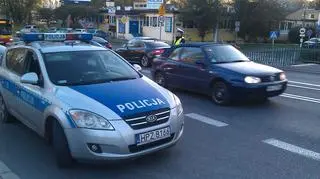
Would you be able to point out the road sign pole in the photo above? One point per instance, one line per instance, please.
(160, 30)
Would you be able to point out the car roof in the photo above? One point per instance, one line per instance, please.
(201, 44)
(51, 47)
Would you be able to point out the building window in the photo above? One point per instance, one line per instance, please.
(312, 16)
(168, 24)
(154, 21)
(146, 21)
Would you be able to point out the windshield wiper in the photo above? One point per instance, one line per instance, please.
(123, 78)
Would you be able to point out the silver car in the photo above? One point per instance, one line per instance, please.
(87, 101)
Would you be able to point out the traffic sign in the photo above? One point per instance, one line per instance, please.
(237, 29)
(302, 31)
(124, 19)
(273, 35)
(162, 10)
(302, 35)
(161, 19)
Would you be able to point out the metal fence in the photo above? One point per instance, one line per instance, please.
(280, 55)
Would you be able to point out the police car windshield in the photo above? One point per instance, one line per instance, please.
(87, 67)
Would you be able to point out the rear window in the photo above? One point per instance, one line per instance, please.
(157, 44)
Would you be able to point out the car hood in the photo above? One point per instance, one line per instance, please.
(249, 68)
(128, 97)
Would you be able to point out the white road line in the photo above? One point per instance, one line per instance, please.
(292, 148)
(302, 98)
(303, 83)
(206, 120)
(304, 87)
(303, 65)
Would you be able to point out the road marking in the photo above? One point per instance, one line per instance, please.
(206, 120)
(292, 148)
(303, 65)
(304, 87)
(6, 173)
(302, 83)
(302, 98)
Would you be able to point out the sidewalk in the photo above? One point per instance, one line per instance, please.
(304, 68)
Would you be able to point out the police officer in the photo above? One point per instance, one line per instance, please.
(179, 38)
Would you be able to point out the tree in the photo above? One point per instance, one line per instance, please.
(98, 3)
(76, 12)
(259, 17)
(203, 14)
(123, 2)
(46, 14)
(19, 10)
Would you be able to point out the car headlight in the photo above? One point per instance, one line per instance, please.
(283, 76)
(179, 108)
(86, 119)
(252, 80)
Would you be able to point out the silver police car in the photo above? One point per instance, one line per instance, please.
(87, 101)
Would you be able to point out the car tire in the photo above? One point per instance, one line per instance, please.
(220, 93)
(145, 62)
(160, 79)
(61, 147)
(5, 116)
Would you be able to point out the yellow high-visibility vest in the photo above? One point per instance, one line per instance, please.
(178, 42)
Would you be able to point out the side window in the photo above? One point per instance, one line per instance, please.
(139, 44)
(15, 60)
(191, 55)
(175, 55)
(32, 64)
(131, 44)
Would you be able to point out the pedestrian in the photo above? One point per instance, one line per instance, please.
(179, 38)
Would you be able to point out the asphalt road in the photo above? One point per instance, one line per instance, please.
(279, 139)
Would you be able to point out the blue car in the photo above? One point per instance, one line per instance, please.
(218, 70)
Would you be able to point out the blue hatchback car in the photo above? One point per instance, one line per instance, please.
(218, 70)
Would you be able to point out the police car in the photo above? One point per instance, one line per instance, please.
(87, 101)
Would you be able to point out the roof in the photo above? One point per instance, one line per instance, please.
(200, 44)
(50, 47)
(299, 14)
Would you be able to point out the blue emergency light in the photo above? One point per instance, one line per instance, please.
(56, 37)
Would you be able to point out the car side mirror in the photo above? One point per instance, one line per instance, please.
(137, 67)
(30, 78)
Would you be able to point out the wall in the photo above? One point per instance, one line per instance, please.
(151, 31)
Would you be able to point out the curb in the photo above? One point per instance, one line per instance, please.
(6, 173)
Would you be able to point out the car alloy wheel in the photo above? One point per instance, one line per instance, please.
(160, 80)
(220, 93)
(145, 61)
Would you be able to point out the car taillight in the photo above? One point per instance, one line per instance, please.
(157, 52)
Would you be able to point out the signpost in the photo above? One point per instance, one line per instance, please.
(161, 12)
(302, 35)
